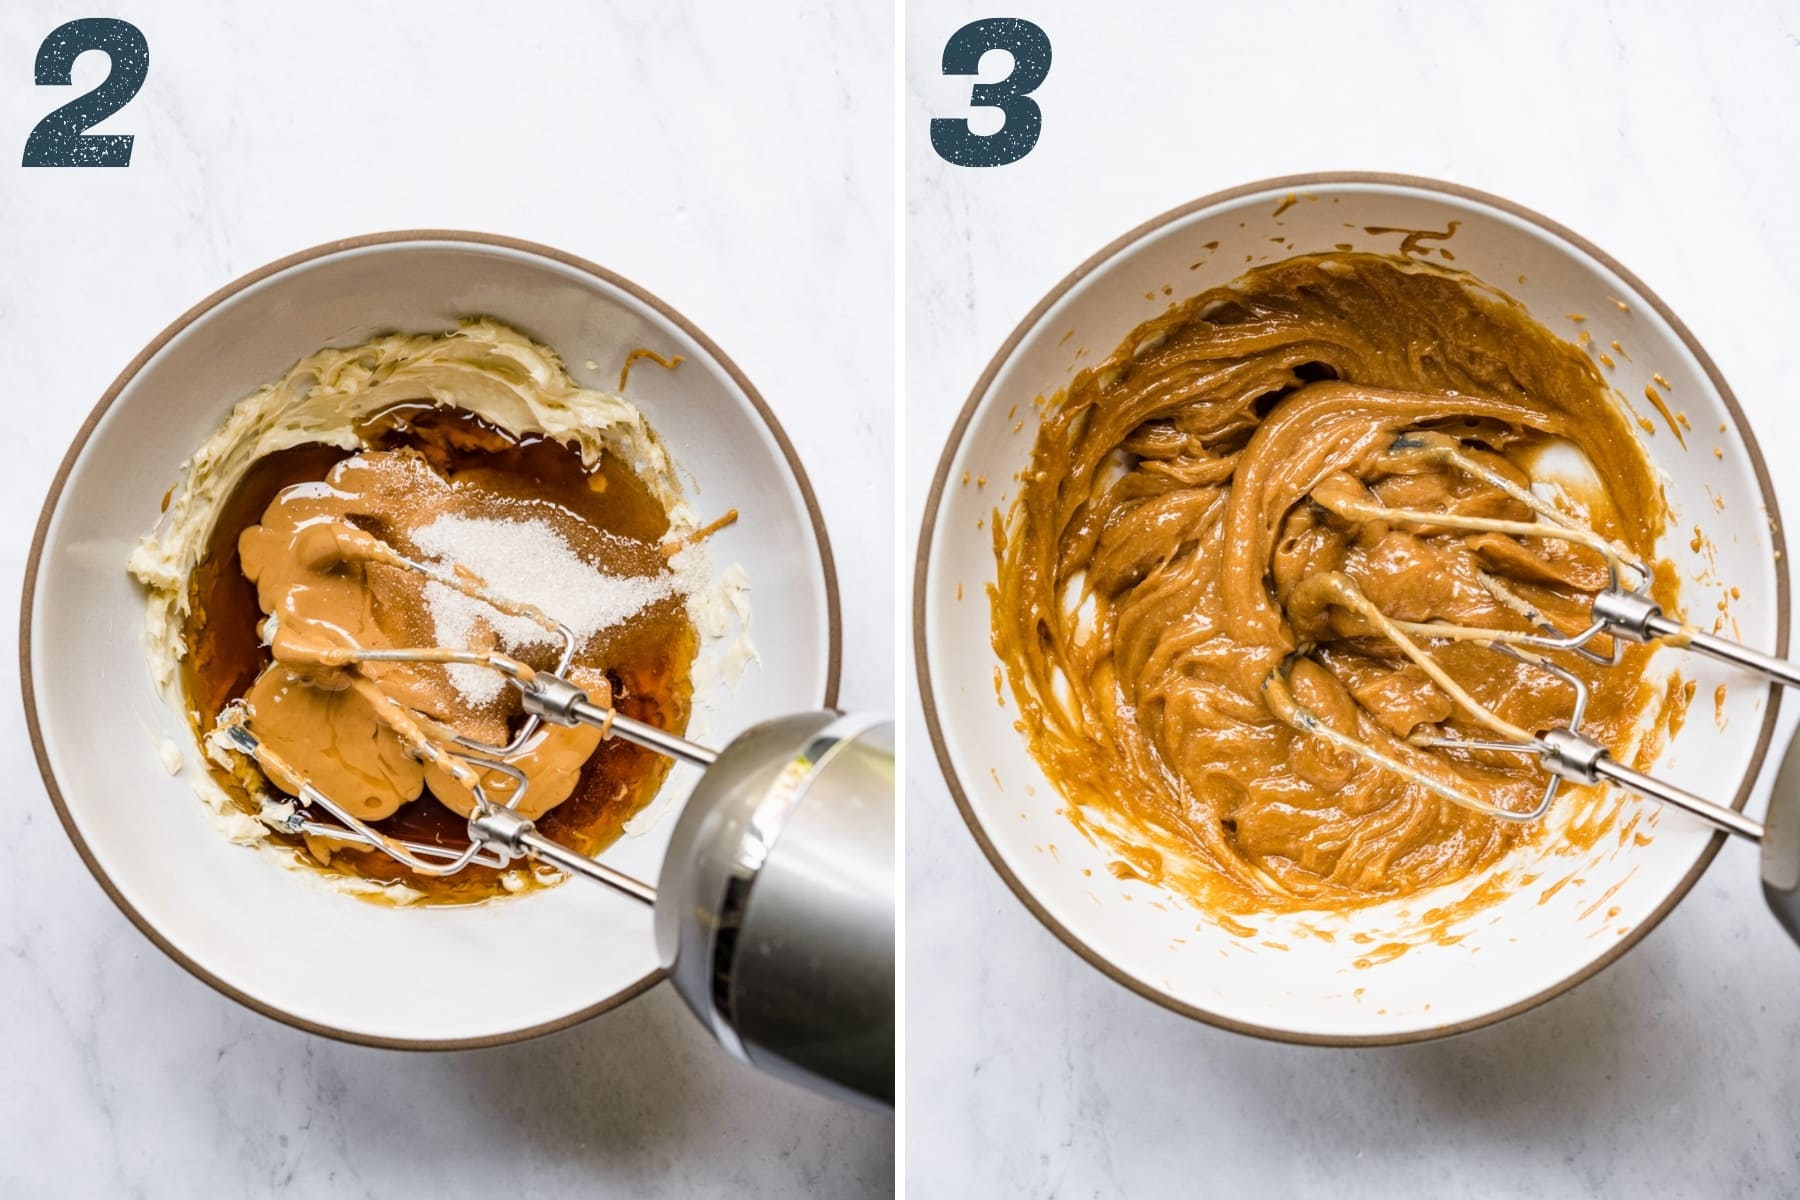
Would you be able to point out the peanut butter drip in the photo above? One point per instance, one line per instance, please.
(1180, 494)
(375, 735)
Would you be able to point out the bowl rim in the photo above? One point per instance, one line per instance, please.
(953, 443)
(397, 237)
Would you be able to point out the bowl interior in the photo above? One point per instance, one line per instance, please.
(275, 936)
(1377, 974)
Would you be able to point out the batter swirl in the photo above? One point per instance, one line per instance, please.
(1172, 507)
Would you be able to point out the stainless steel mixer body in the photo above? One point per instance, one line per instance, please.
(775, 910)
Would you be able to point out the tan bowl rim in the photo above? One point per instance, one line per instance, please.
(1302, 183)
(324, 250)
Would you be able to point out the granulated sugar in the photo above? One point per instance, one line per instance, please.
(531, 563)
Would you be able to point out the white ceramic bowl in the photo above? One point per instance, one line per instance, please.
(1283, 983)
(271, 937)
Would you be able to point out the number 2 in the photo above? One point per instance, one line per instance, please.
(61, 139)
(1029, 46)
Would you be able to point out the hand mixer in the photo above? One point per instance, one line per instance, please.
(1621, 612)
(775, 908)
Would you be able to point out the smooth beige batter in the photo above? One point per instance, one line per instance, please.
(1180, 496)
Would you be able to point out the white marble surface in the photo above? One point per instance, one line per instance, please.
(738, 164)
(1664, 132)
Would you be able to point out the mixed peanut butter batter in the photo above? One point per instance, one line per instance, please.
(1154, 571)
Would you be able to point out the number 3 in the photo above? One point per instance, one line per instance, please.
(61, 139)
(1029, 46)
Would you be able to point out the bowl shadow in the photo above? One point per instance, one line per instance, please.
(1597, 1048)
(641, 1090)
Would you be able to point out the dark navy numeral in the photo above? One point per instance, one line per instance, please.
(62, 138)
(1029, 46)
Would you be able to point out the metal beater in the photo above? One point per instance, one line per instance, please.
(775, 909)
(1623, 611)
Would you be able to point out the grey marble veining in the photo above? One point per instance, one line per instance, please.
(736, 163)
(1662, 132)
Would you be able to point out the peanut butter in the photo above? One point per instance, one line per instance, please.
(327, 590)
(294, 541)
